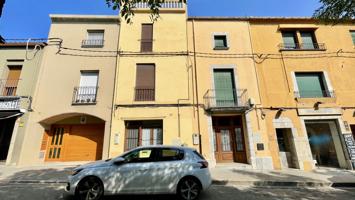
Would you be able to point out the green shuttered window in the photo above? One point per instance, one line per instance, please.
(311, 85)
(224, 86)
(353, 36)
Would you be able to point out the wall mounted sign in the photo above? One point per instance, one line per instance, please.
(10, 104)
(350, 146)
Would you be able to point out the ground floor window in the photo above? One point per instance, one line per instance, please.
(143, 133)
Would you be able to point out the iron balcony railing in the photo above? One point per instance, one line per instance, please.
(315, 94)
(167, 4)
(92, 43)
(302, 46)
(226, 98)
(8, 87)
(144, 94)
(85, 95)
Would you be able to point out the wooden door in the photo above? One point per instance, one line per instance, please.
(240, 152)
(55, 147)
(12, 81)
(224, 145)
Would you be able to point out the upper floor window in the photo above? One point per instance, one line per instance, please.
(312, 85)
(86, 92)
(353, 36)
(220, 42)
(300, 40)
(147, 38)
(145, 82)
(290, 39)
(9, 86)
(95, 39)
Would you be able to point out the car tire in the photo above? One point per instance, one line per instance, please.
(89, 188)
(189, 189)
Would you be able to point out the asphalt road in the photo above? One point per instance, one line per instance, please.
(56, 191)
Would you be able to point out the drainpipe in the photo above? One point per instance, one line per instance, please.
(196, 87)
(114, 94)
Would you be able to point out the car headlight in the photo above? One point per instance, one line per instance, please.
(75, 172)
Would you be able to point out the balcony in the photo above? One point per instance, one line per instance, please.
(92, 43)
(315, 94)
(226, 100)
(302, 47)
(144, 94)
(85, 95)
(166, 5)
(8, 97)
(8, 87)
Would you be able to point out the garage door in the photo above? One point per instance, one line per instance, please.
(75, 143)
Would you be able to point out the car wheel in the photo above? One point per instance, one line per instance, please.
(189, 189)
(90, 188)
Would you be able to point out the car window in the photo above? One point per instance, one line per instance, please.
(170, 154)
(199, 155)
(141, 155)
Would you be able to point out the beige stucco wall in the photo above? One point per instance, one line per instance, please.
(60, 73)
(25, 87)
(277, 82)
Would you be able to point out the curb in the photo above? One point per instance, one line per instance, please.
(285, 184)
(32, 181)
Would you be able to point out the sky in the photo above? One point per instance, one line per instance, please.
(30, 18)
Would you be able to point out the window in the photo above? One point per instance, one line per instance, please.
(147, 38)
(220, 42)
(143, 133)
(95, 39)
(353, 36)
(145, 82)
(87, 90)
(290, 40)
(170, 154)
(311, 85)
(9, 86)
(141, 155)
(308, 40)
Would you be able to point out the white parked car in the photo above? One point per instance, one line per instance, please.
(144, 170)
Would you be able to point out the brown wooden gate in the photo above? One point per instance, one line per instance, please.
(75, 143)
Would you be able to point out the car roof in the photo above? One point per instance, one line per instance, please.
(167, 146)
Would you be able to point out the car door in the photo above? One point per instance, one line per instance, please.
(168, 169)
(134, 175)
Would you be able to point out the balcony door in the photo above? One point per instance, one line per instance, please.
(88, 86)
(12, 80)
(224, 86)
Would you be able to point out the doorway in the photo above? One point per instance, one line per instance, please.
(325, 143)
(6, 129)
(229, 141)
(287, 149)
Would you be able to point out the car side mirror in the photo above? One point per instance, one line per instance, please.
(119, 160)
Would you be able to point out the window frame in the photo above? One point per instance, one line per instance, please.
(219, 34)
(159, 157)
(142, 49)
(352, 32)
(325, 83)
(140, 125)
(151, 97)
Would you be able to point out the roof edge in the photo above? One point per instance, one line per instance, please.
(84, 18)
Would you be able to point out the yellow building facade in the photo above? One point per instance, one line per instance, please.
(265, 93)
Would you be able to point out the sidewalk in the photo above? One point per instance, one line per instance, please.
(222, 175)
(290, 177)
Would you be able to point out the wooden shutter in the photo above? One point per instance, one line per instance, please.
(147, 38)
(145, 82)
(13, 78)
